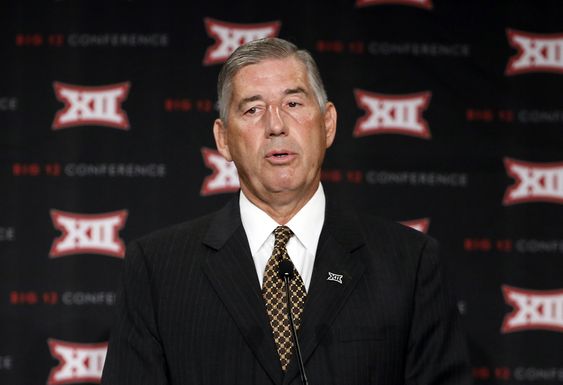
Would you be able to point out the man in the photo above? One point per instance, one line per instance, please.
(199, 300)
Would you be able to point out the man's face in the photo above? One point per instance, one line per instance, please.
(276, 133)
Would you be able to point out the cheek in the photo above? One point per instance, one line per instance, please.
(247, 147)
(305, 117)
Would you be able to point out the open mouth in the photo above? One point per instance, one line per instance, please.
(280, 155)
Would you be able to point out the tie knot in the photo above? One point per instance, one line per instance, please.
(282, 234)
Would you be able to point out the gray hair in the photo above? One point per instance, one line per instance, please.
(257, 51)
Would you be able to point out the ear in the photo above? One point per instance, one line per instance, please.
(221, 139)
(330, 123)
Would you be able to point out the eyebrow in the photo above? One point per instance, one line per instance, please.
(296, 90)
(252, 98)
(289, 91)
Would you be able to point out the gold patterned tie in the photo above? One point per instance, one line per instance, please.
(273, 292)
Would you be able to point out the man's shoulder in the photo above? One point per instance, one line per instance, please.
(379, 224)
(383, 232)
(177, 235)
(370, 223)
(392, 243)
(188, 227)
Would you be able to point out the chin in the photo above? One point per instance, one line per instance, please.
(281, 188)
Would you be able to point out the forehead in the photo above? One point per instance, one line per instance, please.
(270, 75)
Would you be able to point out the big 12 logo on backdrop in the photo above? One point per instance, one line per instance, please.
(427, 4)
(533, 309)
(421, 224)
(535, 182)
(536, 52)
(78, 362)
(98, 106)
(224, 178)
(88, 233)
(392, 114)
(230, 36)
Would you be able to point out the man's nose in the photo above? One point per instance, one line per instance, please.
(275, 123)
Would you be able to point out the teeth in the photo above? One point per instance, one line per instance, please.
(279, 155)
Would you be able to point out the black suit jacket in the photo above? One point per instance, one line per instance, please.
(190, 310)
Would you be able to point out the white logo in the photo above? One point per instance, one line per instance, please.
(224, 178)
(533, 310)
(415, 3)
(394, 114)
(99, 106)
(418, 224)
(230, 36)
(334, 277)
(88, 233)
(535, 182)
(77, 362)
(536, 53)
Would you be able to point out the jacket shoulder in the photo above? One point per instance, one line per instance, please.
(395, 241)
(173, 237)
(373, 227)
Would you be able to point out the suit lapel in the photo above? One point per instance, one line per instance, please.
(233, 276)
(340, 238)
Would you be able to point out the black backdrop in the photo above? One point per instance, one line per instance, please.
(450, 119)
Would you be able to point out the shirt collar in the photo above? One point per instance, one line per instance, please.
(307, 224)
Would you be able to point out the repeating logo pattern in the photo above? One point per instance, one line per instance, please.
(421, 224)
(224, 178)
(427, 4)
(230, 36)
(533, 309)
(536, 52)
(533, 48)
(88, 233)
(78, 362)
(392, 114)
(535, 182)
(97, 106)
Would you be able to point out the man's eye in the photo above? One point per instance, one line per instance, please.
(251, 111)
(293, 104)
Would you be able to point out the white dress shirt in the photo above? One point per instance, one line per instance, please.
(301, 247)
